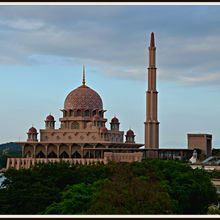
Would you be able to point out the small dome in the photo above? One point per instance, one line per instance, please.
(50, 118)
(96, 117)
(103, 130)
(32, 130)
(130, 132)
(114, 120)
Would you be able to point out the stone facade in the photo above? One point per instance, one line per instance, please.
(200, 141)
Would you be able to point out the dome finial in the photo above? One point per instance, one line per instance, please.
(83, 82)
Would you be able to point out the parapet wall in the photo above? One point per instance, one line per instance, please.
(19, 163)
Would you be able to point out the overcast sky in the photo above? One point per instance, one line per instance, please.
(43, 48)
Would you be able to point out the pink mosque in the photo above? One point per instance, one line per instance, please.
(83, 137)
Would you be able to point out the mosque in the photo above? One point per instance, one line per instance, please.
(83, 137)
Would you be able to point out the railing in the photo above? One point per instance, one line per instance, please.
(19, 163)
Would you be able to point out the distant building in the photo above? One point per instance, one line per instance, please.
(200, 141)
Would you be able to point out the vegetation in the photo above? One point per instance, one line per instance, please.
(147, 187)
(8, 150)
(215, 152)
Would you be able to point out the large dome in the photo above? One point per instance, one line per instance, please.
(83, 97)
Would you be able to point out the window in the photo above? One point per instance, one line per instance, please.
(86, 113)
(71, 113)
(75, 125)
(78, 112)
(93, 112)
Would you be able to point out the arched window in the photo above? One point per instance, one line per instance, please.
(100, 114)
(78, 112)
(75, 125)
(93, 112)
(86, 113)
(71, 112)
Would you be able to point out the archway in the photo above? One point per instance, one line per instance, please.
(40, 148)
(52, 154)
(40, 155)
(64, 155)
(52, 151)
(76, 154)
(28, 150)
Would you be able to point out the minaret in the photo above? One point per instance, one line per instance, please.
(152, 124)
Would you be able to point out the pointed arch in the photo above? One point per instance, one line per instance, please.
(40, 155)
(52, 154)
(64, 148)
(78, 112)
(28, 150)
(40, 148)
(86, 114)
(76, 154)
(64, 154)
(52, 151)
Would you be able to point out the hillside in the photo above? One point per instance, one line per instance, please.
(9, 150)
(10, 147)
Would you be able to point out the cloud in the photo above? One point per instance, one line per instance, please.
(22, 24)
(115, 39)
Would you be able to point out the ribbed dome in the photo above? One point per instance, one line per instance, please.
(32, 130)
(114, 120)
(130, 132)
(50, 118)
(83, 97)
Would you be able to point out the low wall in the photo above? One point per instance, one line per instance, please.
(19, 163)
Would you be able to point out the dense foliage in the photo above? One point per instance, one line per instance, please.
(149, 187)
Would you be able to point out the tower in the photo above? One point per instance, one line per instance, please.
(152, 124)
(50, 122)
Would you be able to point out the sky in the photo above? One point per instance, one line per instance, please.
(43, 49)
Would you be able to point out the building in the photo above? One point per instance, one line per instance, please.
(200, 141)
(83, 137)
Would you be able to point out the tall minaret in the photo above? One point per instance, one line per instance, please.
(152, 124)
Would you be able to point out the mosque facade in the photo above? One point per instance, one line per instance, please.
(82, 136)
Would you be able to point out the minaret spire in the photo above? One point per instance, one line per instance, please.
(83, 82)
(152, 40)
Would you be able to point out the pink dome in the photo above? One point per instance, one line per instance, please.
(83, 97)
(130, 132)
(114, 120)
(50, 118)
(32, 130)
(96, 117)
(103, 130)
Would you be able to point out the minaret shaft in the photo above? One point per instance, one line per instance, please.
(152, 124)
